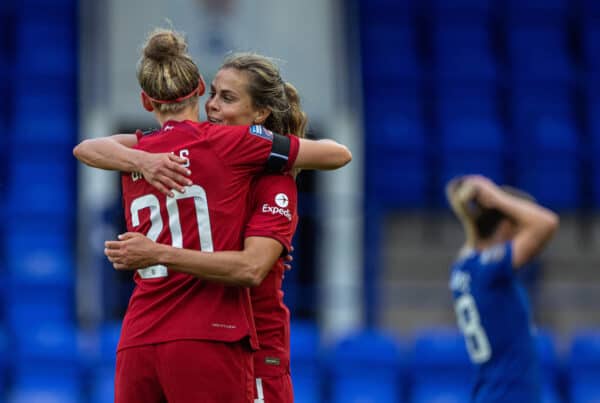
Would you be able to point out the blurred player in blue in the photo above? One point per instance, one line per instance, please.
(504, 230)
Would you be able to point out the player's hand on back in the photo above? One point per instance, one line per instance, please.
(165, 171)
(132, 251)
(287, 260)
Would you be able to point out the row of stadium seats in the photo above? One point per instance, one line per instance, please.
(485, 87)
(60, 364)
(39, 358)
(434, 367)
(467, 52)
(515, 10)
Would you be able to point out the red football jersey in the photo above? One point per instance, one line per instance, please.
(209, 216)
(274, 215)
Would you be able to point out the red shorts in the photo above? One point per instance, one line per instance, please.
(186, 371)
(274, 389)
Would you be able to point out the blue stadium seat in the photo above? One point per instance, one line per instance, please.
(7, 8)
(591, 46)
(534, 104)
(46, 45)
(5, 358)
(552, 178)
(62, 5)
(463, 53)
(42, 268)
(546, 350)
(532, 9)
(457, 101)
(539, 54)
(396, 145)
(547, 146)
(305, 347)
(109, 339)
(375, 12)
(48, 344)
(51, 389)
(474, 10)
(593, 126)
(39, 251)
(584, 367)
(39, 186)
(47, 364)
(103, 366)
(472, 145)
(54, 304)
(406, 103)
(441, 368)
(352, 355)
(591, 8)
(397, 163)
(388, 51)
(4, 166)
(103, 387)
(54, 126)
(40, 271)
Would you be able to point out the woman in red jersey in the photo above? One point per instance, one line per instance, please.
(244, 82)
(183, 338)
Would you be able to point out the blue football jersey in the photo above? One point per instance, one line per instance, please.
(493, 313)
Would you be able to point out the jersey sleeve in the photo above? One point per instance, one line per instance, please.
(253, 146)
(274, 209)
(498, 261)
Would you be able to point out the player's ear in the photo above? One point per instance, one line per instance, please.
(146, 103)
(261, 115)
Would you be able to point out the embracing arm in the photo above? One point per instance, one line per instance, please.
(112, 153)
(322, 154)
(164, 171)
(246, 268)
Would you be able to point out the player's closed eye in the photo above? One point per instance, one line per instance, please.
(227, 97)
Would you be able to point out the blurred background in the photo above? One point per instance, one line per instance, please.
(420, 91)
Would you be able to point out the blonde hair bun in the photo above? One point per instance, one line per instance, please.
(164, 45)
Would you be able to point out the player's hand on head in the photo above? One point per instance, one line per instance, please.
(486, 191)
(132, 251)
(165, 171)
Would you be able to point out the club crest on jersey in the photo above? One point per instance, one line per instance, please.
(282, 200)
(261, 131)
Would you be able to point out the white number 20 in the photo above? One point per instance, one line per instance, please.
(467, 315)
(156, 223)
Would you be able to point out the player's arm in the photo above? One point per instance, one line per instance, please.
(535, 224)
(162, 170)
(322, 154)
(459, 194)
(111, 153)
(247, 267)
